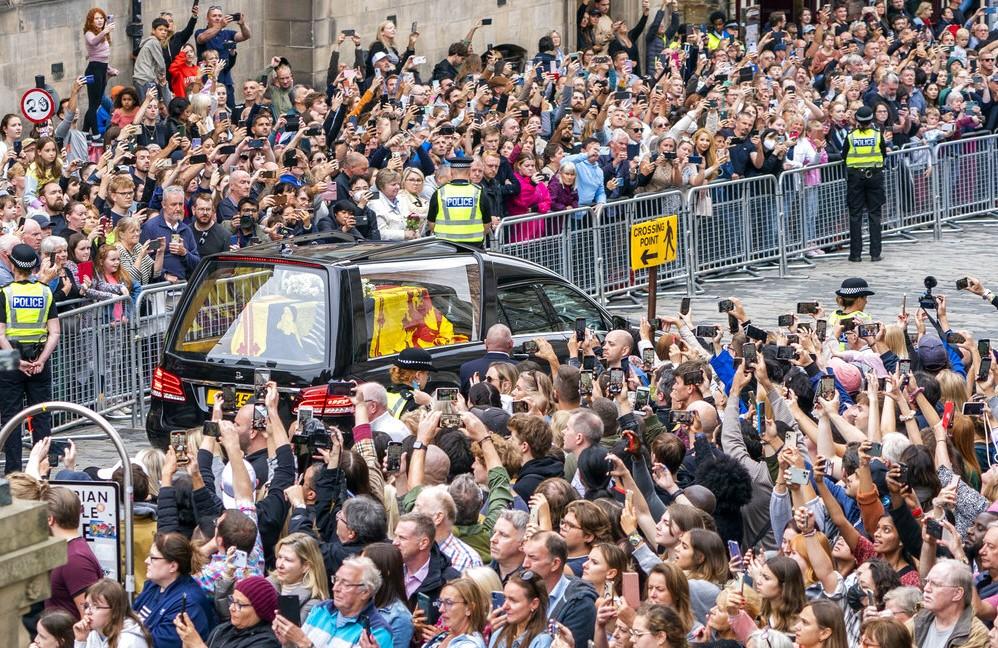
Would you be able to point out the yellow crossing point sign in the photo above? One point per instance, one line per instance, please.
(654, 242)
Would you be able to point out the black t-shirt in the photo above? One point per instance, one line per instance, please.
(211, 241)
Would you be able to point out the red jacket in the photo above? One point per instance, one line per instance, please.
(180, 75)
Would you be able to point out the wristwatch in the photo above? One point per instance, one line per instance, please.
(635, 539)
(418, 445)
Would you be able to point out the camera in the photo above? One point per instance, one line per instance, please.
(310, 438)
(927, 301)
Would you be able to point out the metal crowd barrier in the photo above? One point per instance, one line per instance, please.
(153, 310)
(736, 228)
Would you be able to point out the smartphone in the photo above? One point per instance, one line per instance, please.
(199, 159)
(425, 603)
(961, 284)
(973, 408)
(237, 17)
(725, 306)
(904, 366)
(948, 409)
(982, 373)
(680, 417)
(799, 476)
(349, 32)
(732, 324)
(586, 382)
(903, 473)
(684, 306)
(228, 149)
(289, 607)
(648, 357)
(785, 321)
(211, 429)
(807, 308)
(734, 551)
(530, 347)
(498, 600)
(393, 456)
(220, 116)
(257, 143)
(616, 381)
(178, 441)
(750, 353)
(260, 379)
(820, 329)
(785, 353)
(707, 331)
(876, 450)
(868, 330)
(195, 142)
(934, 528)
(305, 412)
(826, 387)
(630, 589)
(57, 450)
(521, 407)
(580, 328)
(450, 421)
(240, 558)
(445, 394)
(641, 398)
(984, 348)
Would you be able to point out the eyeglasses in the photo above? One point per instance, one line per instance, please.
(638, 633)
(570, 525)
(448, 603)
(234, 603)
(91, 606)
(936, 584)
(342, 583)
(152, 557)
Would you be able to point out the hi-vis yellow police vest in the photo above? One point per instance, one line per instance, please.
(864, 149)
(27, 307)
(397, 403)
(459, 213)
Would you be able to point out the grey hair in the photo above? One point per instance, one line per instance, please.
(909, 599)
(517, 518)
(959, 576)
(370, 577)
(376, 393)
(7, 243)
(53, 244)
(890, 77)
(894, 443)
(567, 166)
(590, 425)
(467, 498)
(442, 501)
(366, 517)
(174, 189)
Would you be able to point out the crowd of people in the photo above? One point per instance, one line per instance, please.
(826, 481)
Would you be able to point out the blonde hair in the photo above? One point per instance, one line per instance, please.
(952, 387)
(896, 340)
(152, 460)
(307, 550)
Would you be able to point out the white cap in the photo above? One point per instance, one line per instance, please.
(106, 473)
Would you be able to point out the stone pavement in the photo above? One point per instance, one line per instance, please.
(971, 251)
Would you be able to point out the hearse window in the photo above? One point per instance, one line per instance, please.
(257, 313)
(426, 304)
(568, 304)
(521, 310)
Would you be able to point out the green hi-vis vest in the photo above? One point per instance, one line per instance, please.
(864, 149)
(27, 307)
(459, 213)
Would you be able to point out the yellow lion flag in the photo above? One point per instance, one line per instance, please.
(404, 317)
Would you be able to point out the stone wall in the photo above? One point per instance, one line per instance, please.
(46, 36)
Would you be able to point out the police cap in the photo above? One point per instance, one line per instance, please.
(459, 162)
(864, 115)
(24, 257)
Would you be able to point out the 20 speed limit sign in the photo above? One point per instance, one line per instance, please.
(37, 105)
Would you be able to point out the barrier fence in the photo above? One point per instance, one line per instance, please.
(110, 349)
(740, 227)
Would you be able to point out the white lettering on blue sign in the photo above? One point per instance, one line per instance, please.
(864, 141)
(468, 201)
(29, 302)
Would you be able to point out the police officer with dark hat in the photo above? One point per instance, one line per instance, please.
(864, 152)
(409, 375)
(29, 324)
(457, 210)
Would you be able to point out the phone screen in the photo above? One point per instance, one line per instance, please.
(684, 306)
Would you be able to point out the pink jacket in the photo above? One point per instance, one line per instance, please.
(532, 198)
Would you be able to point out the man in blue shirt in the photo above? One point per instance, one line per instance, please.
(181, 256)
(588, 173)
(217, 37)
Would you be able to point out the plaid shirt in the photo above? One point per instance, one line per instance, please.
(213, 571)
(461, 555)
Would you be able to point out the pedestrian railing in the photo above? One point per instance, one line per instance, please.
(738, 228)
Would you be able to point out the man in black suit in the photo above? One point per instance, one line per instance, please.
(498, 346)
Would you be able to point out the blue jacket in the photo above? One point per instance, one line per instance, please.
(577, 610)
(588, 179)
(180, 267)
(157, 610)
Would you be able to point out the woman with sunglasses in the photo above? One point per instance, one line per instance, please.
(464, 613)
(521, 621)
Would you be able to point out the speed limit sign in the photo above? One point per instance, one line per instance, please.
(37, 105)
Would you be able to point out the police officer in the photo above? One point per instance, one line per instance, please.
(457, 210)
(29, 323)
(864, 152)
(409, 375)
